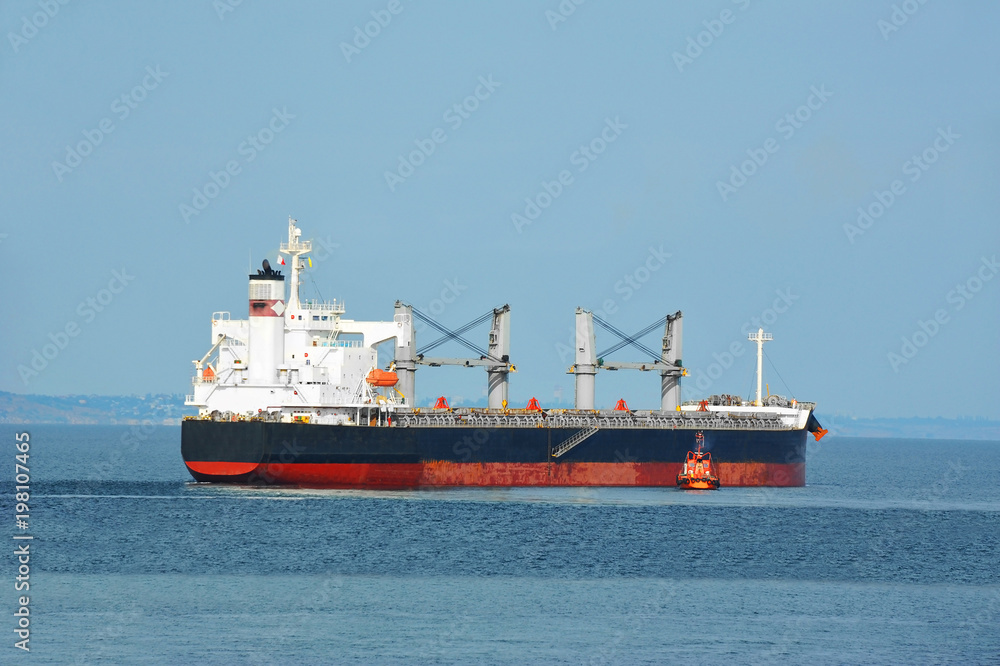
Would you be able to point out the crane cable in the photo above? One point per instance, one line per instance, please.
(626, 338)
(452, 335)
(457, 331)
(612, 349)
(787, 387)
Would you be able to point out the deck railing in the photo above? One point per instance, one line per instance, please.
(703, 421)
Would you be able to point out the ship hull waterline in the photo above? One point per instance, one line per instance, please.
(329, 456)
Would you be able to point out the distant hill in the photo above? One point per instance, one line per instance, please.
(93, 409)
(170, 410)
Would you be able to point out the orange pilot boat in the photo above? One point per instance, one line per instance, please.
(697, 472)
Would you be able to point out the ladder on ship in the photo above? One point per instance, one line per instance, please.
(573, 440)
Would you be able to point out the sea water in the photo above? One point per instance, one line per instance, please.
(888, 555)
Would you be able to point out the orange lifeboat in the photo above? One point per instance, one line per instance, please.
(382, 378)
(697, 472)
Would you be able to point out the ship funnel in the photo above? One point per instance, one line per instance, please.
(266, 343)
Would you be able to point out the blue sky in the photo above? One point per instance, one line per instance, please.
(706, 157)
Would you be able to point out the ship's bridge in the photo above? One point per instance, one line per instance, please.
(327, 307)
(312, 315)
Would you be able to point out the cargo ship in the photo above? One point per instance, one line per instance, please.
(294, 394)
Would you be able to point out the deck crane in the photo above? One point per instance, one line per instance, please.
(668, 362)
(495, 358)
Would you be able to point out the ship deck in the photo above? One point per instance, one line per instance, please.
(603, 419)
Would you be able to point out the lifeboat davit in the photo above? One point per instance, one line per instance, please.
(697, 472)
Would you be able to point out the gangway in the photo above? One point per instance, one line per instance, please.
(573, 440)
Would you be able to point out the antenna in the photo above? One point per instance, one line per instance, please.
(295, 248)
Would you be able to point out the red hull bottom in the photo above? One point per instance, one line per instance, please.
(440, 473)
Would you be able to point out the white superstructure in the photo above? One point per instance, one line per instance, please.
(300, 360)
(295, 359)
